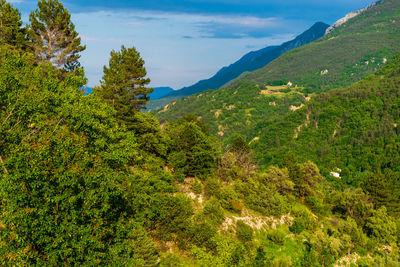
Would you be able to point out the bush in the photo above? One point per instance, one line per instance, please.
(212, 187)
(201, 233)
(297, 227)
(244, 231)
(277, 236)
(267, 202)
(213, 211)
(196, 186)
(304, 220)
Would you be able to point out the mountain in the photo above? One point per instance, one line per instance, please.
(252, 61)
(356, 48)
(350, 16)
(160, 92)
(348, 54)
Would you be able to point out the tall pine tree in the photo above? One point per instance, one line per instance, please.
(123, 84)
(53, 35)
(11, 30)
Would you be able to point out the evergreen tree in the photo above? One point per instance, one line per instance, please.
(123, 84)
(53, 35)
(239, 145)
(11, 31)
(383, 189)
(295, 172)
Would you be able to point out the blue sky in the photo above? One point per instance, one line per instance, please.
(186, 41)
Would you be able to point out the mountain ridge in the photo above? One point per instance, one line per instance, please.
(350, 16)
(252, 61)
(342, 57)
(160, 92)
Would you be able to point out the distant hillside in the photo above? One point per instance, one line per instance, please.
(252, 61)
(349, 53)
(160, 92)
(356, 129)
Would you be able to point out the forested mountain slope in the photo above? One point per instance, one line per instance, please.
(249, 62)
(355, 129)
(352, 51)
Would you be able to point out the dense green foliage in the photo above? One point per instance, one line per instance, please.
(353, 129)
(11, 31)
(81, 185)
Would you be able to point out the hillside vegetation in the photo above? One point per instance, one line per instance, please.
(356, 129)
(226, 116)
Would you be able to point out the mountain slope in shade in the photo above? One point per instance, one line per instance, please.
(253, 61)
(160, 92)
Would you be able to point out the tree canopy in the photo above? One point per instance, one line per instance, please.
(11, 30)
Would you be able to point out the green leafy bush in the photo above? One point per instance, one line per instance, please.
(277, 236)
(244, 231)
(196, 186)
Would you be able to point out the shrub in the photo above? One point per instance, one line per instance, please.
(277, 236)
(213, 211)
(212, 187)
(196, 186)
(244, 231)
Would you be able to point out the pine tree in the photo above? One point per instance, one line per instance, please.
(295, 172)
(240, 145)
(383, 188)
(11, 31)
(53, 35)
(123, 84)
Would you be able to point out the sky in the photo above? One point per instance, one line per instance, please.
(184, 41)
